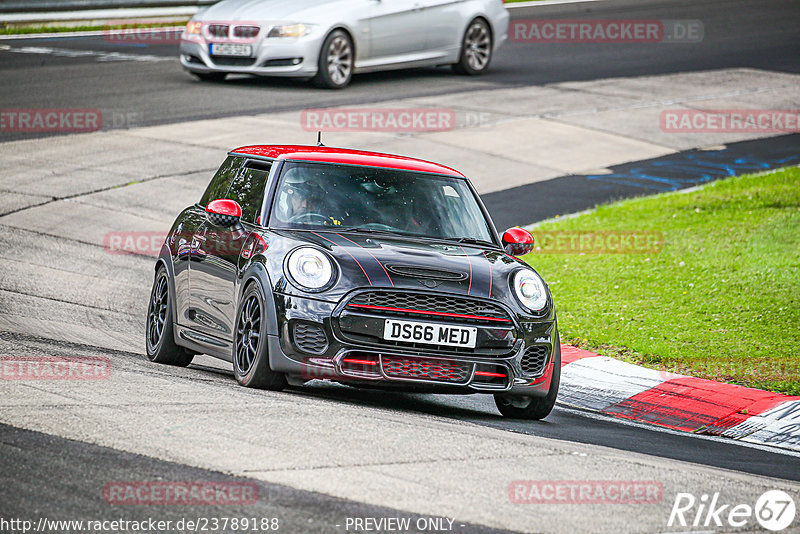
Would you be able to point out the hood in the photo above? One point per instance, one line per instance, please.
(308, 11)
(393, 262)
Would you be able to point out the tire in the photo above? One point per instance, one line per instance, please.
(476, 49)
(210, 76)
(250, 351)
(159, 336)
(533, 407)
(336, 61)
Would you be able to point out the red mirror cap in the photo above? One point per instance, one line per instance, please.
(223, 212)
(518, 241)
(224, 206)
(518, 235)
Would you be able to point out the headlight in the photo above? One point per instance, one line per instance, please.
(194, 27)
(310, 268)
(530, 290)
(289, 30)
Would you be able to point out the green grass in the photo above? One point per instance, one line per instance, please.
(24, 30)
(720, 301)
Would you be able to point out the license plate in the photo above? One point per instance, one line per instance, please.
(230, 49)
(430, 334)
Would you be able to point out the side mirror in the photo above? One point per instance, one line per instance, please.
(517, 241)
(223, 212)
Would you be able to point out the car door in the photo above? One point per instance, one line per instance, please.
(183, 238)
(397, 27)
(445, 23)
(215, 256)
(181, 247)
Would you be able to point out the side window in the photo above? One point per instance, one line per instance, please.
(221, 182)
(248, 189)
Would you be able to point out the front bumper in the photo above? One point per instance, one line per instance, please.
(341, 357)
(291, 57)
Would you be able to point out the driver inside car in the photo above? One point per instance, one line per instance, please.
(306, 202)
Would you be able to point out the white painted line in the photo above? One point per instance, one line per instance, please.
(91, 33)
(779, 427)
(595, 384)
(600, 382)
(100, 56)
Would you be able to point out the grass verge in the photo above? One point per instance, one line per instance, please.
(721, 300)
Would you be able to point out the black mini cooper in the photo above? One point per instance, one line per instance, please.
(311, 262)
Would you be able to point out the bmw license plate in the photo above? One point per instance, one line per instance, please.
(230, 49)
(430, 334)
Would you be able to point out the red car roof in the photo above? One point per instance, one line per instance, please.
(345, 156)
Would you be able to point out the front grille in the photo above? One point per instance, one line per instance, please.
(225, 61)
(422, 369)
(220, 31)
(245, 32)
(533, 360)
(418, 305)
(310, 338)
(423, 347)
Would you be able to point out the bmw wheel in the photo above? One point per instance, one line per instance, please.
(160, 342)
(476, 49)
(336, 61)
(519, 407)
(250, 351)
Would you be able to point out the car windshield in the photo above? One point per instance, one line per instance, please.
(318, 196)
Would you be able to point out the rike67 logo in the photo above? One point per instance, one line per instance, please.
(774, 511)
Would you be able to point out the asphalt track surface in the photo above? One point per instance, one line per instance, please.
(47, 476)
(64, 479)
(52, 476)
(680, 170)
(737, 33)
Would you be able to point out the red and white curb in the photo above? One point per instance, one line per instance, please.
(601, 384)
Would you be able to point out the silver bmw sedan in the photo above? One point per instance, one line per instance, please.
(329, 41)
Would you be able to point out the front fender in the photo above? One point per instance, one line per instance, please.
(165, 259)
(257, 273)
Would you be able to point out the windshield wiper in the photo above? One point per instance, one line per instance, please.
(361, 229)
(464, 240)
(474, 241)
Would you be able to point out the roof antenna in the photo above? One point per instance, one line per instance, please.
(319, 139)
